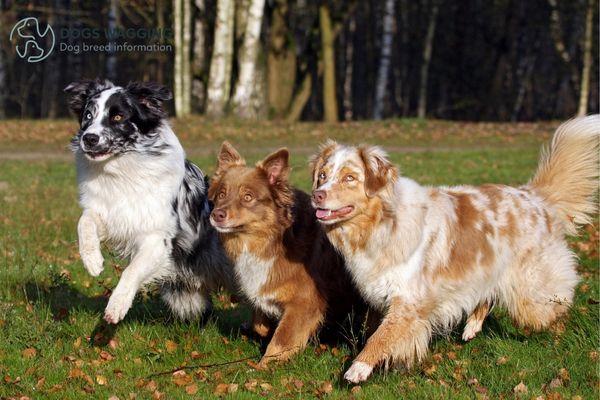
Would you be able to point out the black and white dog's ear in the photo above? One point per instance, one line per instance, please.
(150, 96)
(81, 91)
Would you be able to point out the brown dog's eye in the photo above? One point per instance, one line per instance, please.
(221, 196)
(117, 118)
(349, 178)
(322, 176)
(248, 197)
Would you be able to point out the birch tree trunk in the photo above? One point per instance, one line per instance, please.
(327, 43)
(178, 62)
(110, 65)
(3, 85)
(587, 59)
(427, 48)
(186, 68)
(219, 79)
(385, 60)
(199, 57)
(559, 44)
(349, 69)
(247, 58)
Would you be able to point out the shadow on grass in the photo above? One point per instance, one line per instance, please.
(62, 299)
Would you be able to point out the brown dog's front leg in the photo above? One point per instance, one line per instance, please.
(295, 328)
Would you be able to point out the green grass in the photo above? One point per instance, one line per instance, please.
(48, 302)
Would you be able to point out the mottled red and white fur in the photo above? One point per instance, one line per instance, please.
(427, 256)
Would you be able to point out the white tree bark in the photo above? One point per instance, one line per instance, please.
(178, 62)
(385, 59)
(3, 86)
(199, 57)
(186, 79)
(587, 59)
(241, 102)
(427, 48)
(220, 64)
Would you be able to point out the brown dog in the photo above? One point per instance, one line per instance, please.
(285, 266)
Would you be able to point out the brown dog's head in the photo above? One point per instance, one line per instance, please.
(250, 199)
(346, 178)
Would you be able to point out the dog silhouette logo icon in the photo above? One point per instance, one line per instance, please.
(31, 41)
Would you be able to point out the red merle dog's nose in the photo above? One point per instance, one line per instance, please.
(319, 196)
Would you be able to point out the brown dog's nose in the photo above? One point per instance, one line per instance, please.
(319, 196)
(219, 214)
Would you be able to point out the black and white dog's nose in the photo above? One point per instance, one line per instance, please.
(90, 139)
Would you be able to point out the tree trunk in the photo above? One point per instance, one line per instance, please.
(587, 59)
(199, 57)
(3, 85)
(281, 61)
(110, 64)
(427, 48)
(348, 70)
(178, 62)
(247, 59)
(220, 65)
(327, 43)
(186, 68)
(385, 59)
(559, 44)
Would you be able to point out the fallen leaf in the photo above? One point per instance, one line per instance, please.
(356, 389)
(266, 386)
(181, 378)
(326, 387)
(196, 355)
(29, 352)
(191, 389)
(101, 380)
(40, 383)
(113, 397)
(106, 356)
(171, 346)
(520, 388)
(501, 360)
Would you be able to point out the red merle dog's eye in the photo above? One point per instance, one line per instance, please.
(248, 197)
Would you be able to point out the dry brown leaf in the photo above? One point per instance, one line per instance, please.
(29, 353)
(106, 356)
(221, 389)
(101, 380)
(501, 360)
(40, 383)
(191, 389)
(356, 389)
(171, 346)
(520, 388)
(266, 386)
(326, 387)
(113, 397)
(151, 385)
(181, 378)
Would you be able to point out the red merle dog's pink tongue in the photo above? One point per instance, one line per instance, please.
(321, 213)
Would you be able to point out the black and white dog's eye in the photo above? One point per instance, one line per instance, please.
(88, 115)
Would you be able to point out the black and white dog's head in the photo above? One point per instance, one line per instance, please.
(116, 120)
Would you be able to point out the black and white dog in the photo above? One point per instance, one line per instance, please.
(140, 194)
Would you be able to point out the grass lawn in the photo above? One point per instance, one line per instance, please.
(54, 345)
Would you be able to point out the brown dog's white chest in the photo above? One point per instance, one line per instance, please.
(253, 275)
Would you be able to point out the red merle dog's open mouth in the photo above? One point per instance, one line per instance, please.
(325, 214)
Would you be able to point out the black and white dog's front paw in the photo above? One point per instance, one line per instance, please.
(117, 308)
(92, 261)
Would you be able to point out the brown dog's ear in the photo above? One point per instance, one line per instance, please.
(276, 166)
(379, 171)
(316, 162)
(228, 157)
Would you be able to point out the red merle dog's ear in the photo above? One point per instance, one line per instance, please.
(379, 171)
(82, 90)
(276, 166)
